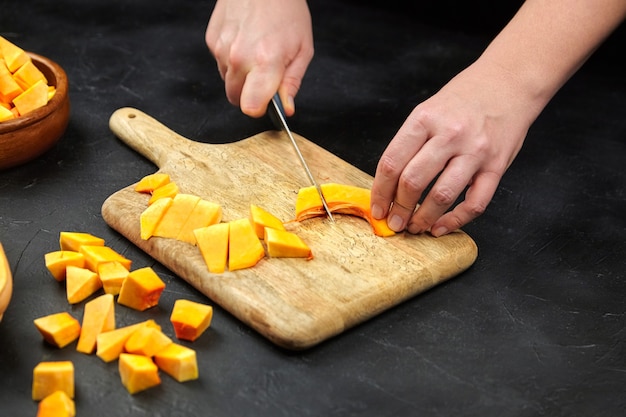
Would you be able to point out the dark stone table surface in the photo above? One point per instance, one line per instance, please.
(536, 327)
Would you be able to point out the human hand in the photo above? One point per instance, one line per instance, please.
(464, 138)
(261, 48)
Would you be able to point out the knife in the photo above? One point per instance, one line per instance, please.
(277, 115)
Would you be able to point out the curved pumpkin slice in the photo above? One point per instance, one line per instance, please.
(343, 199)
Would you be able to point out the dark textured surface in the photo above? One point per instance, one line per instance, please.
(535, 327)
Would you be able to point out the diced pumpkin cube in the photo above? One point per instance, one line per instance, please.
(58, 261)
(57, 404)
(74, 240)
(98, 317)
(5, 113)
(95, 255)
(58, 329)
(112, 275)
(34, 97)
(178, 361)
(244, 246)
(9, 88)
(176, 215)
(168, 190)
(13, 55)
(285, 244)
(109, 345)
(261, 218)
(152, 215)
(190, 319)
(151, 182)
(205, 213)
(80, 283)
(28, 74)
(52, 376)
(213, 244)
(138, 372)
(141, 289)
(147, 341)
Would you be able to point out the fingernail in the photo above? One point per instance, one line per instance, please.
(440, 231)
(377, 211)
(414, 229)
(395, 223)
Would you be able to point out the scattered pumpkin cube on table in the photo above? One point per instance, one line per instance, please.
(57, 404)
(74, 240)
(95, 255)
(80, 283)
(138, 372)
(58, 261)
(109, 345)
(58, 329)
(178, 361)
(112, 275)
(98, 317)
(147, 341)
(141, 289)
(52, 376)
(190, 319)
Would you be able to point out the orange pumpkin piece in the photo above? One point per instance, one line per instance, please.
(343, 199)
(178, 361)
(112, 275)
(285, 244)
(34, 97)
(261, 218)
(205, 213)
(9, 88)
(74, 240)
(80, 283)
(6, 282)
(151, 182)
(138, 372)
(213, 244)
(152, 215)
(13, 55)
(52, 376)
(58, 261)
(176, 215)
(168, 190)
(244, 247)
(98, 317)
(109, 345)
(5, 113)
(57, 404)
(28, 74)
(147, 341)
(190, 319)
(58, 329)
(141, 289)
(95, 255)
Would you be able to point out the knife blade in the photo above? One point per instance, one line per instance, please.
(278, 117)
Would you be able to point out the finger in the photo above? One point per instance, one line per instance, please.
(477, 198)
(260, 85)
(292, 80)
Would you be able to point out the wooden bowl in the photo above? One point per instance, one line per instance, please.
(27, 137)
(6, 283)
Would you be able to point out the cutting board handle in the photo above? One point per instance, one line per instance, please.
(146, 135)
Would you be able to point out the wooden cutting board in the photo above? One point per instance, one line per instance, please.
(295, 303)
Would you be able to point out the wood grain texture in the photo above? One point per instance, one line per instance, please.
(295, 303)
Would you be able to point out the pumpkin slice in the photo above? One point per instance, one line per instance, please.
(95, 255)
(74, 240)
(151, 182)
(58, 329)
(178, 361)
(6, 282)
(151, 216)
(141, 289)
(138, 372)
(213, 244)
(80, 283)
(109, 345)
(58, 261)
(244, 247)
(190, 319)
(57, 404)
(343, 199)
(52, 376)
(98, 317)
(205, 213)
(285, 244)
(261, 218)
(176, 215)
(168, 190)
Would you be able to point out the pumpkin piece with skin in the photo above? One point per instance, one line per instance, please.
(52, 376)
(112, 275)
(109, 345)
(58, 261)
(57, 404)
(6, 282)
(80, 283)
(138, 372)
(147, 341)
(152, 215)
(244, 246)
(261, 218)
(176, 215)
(205, 213)
(179, 362)
(72, 241)
(141, 290)
(151, 182)
(167, 190)
(98, 317)
(190, 319)
(58, 329)
(95, 255)
(343, 199)
(213, 244)
(285, 244)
